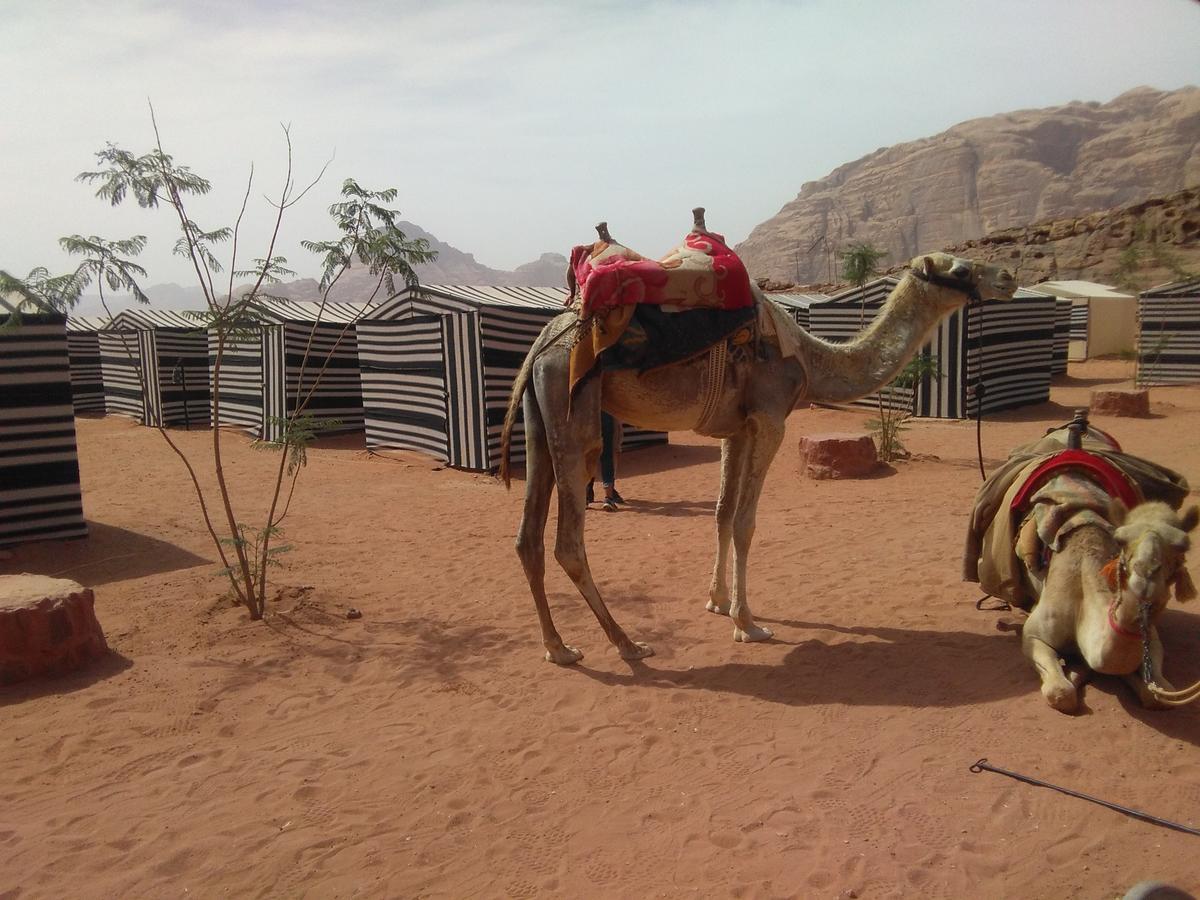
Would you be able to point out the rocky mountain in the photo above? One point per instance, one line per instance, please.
(982, 176)
(1164, 230)
(452, 266)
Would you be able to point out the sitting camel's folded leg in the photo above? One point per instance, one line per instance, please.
(539, 485)
(1059, 691)
(764, 435)
(1136, 681)
(733, 458)
(574, 443)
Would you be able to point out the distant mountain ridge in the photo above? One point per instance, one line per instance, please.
(983, 175)
(452, 266)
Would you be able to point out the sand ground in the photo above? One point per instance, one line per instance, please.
(427, 750)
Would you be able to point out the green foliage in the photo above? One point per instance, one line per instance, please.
(860, 263)
(198, 243)
(37, 292)
(893, 415)
(255, 545)
(370, 235)
(104, 263)
(299, 432)
(148, 178)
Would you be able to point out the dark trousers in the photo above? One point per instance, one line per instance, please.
(608, 427)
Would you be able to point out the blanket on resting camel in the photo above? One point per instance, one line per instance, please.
(608, 282)
(1004, 499)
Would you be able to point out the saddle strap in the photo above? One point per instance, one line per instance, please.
(714, 381)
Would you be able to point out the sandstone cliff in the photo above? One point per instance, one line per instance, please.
(985, 175)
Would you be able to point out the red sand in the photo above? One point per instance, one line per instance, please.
(427, 750)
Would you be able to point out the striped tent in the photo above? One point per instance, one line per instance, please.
(1169, 334)
(1009, 344)
(798, 304)
(83, 345)
(40, 497)
(271, 369)
(154, 364)
(1062, 335)
(438, 364)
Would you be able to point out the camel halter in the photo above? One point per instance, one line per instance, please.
(1162, 695)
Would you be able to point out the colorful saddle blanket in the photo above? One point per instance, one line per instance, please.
(701, 273)
(610, 283)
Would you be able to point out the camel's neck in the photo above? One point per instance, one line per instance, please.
(838, 373)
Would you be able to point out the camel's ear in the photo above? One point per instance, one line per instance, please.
(927, 266)
(1190, 519)
(1185, 588)
(1117, 511)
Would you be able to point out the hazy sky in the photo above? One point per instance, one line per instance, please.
(510, 128)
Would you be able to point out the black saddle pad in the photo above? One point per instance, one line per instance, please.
(655, 338)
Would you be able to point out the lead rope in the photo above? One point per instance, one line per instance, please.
(976, 305)
(1163, 696)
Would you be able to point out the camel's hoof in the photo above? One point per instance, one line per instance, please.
(753, 633)
(1064, 699)
(564, 655)
(636, 650)
(721, 609)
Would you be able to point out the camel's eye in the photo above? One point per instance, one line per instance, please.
(960, 270)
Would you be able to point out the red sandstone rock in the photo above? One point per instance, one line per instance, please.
(47, 627)
(1133, 403)
(837, 455)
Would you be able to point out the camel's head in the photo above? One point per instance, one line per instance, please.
(965, 276)
(1154, 540)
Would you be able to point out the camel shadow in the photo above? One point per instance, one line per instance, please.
(876, 667)
(108, 554)
(671, 508)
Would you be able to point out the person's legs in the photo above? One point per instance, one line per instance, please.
(608, 474)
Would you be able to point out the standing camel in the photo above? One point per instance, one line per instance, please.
(745, 405)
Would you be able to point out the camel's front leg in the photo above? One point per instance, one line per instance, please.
(1059, 691)
(764, 437)
(1136, 682)
(733, 458)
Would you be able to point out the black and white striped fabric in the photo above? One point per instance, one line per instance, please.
(271, 370)
(40, 498)
(1010, 346)
(83, 345)
(438, 365)
(1169, 334)
(154, 364)
(1062, 335)
(1008, 343)
(797, 304)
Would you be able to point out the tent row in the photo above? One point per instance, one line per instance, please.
(1010, 346)
(427, 370)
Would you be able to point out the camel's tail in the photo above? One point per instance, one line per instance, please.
(551, 333)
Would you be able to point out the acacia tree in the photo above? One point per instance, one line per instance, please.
(369, 237)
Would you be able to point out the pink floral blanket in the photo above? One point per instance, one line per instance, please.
(702, 272)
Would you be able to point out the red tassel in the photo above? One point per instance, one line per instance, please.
(1109, 572)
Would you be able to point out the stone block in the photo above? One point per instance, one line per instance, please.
(838, 455)
(48, 626)
(1131, 403)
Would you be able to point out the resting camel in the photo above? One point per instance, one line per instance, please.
(1091, 595)
(747, 410)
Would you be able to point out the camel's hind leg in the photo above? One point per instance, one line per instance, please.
(574, 444)
(764, 435)
(733, 458)
(539, 484)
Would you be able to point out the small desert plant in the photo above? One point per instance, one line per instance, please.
(896, 406)
(367, 235)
